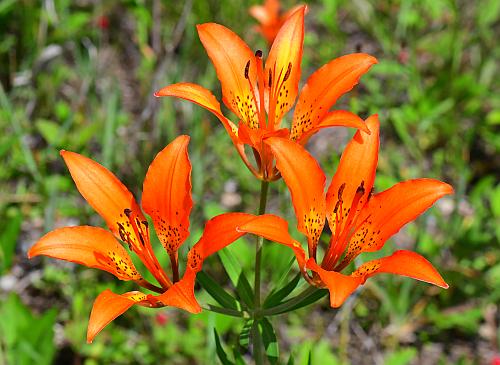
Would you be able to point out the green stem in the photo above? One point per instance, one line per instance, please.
(284, 307)
(258, 347)
(264, 188)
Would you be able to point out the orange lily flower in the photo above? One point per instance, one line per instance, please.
(167, 200)
(260, 95)
(270, 18)
(359, 220)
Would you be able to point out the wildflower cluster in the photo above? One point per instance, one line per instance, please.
(260, 94)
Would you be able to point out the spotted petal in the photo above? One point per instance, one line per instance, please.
(275, 229)
(283, 66)
(351, 186)
(404, 263)
(167, 194)
(112, 200)
(388, 211)
(306, 182)
(109, 306)
(89, 246)
(324, 87)
(236, 69)
(106, 194)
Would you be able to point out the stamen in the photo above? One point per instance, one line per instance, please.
(341, 190)
(258, 53)
(288, 72)
(247, 68)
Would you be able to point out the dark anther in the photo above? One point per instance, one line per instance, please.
(361, 187)
(341, 189)
(145, 223)
(247, 68)
(288, 71)
(258, 53)
(336, 207)
(270, 79)
(127, 212)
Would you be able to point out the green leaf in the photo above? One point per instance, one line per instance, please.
(8, 239)
(276, 297)
(238, 359)
(244, 339)
(49, 131)
(237, 276)
(217, 292)
(221, 354)
(401, 357)
(291, 360)
(283, 278)
(269, 340)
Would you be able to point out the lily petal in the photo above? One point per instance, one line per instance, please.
(267, 13)
(324, 87)
(107, 195)
(219, 232)
(109, 306)
(337, 118)
(283, 66)
(201, 96)
(167, 194)
(90, 246)
(339, 285)
(404, 263)
(181, 294)
(274, 228)
(388, 211)
(236, 69)
(352, 183)
(306, 182)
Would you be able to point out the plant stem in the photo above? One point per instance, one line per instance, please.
(264, 188)
(258, 348)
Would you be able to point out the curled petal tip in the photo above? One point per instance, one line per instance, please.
(62, 152)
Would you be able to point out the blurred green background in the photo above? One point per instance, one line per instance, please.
(79, 75)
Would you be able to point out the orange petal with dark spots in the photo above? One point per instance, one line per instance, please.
(109, 306)
(339, 285)
(352, 183)
(404, 263)
(236, 69)
(181, 294)
(106, 194)
(219, 232)
(201, 96)
(306, 182)
(337, 118)
(283, 67)
(90, 246)
(324, 87)
(274, 228)
(387, 212)
(167, 194)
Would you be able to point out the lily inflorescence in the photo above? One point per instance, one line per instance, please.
(346, 220)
